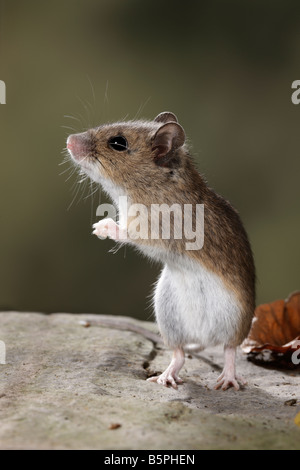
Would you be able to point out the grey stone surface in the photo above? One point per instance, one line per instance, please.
(65, 386)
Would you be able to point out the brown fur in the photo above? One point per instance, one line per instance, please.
(148, 177)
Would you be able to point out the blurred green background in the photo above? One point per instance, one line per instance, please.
(225, 68)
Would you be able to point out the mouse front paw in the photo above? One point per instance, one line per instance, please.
(101, 228)
(108, 228)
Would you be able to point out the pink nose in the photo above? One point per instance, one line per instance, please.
(77, 145)
(70, 142)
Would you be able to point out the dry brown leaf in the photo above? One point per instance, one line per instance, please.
(115, 426)
(297, 419)
(275, 333)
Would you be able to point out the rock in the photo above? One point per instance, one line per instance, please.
(66, 386)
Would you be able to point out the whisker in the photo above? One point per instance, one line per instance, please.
(106, 94)
(87, 112)
(99, 161)
(73, 171)
(92, 106)
(64, 171)
(80, 119)
(94, 190)
(82, 180)
(65, 160)
(77, 189)
(92, 88)
(72, 117)
(69, 128)
(105, 103)
(141, 108)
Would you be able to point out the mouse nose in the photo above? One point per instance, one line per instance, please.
(77, 145)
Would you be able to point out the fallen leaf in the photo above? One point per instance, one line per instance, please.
(297, 419)
(274, 338)
(115, 426)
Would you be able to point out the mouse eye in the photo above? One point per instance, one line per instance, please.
(118, 143)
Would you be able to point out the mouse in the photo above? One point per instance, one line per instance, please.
(205, 293)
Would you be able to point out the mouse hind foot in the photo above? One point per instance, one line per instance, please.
(170, 375)
(228, 378)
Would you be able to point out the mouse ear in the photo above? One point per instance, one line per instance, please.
(166, 117)
(168, 138)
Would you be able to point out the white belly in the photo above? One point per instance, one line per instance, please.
(192, 305)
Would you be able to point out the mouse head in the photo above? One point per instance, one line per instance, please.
(134, 153)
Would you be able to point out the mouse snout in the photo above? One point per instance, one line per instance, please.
(77, 144)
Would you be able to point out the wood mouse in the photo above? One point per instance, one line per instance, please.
(204, 296)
